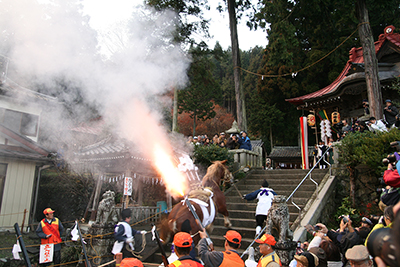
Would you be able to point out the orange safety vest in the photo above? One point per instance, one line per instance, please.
(51, 229)
(185, 263)
(231, 259)
(267, 259)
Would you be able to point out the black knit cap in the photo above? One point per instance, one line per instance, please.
(265, 183)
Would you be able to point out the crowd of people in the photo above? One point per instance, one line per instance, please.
(234, 141)
(370, 123)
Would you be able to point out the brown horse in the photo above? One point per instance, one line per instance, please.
(181, 219)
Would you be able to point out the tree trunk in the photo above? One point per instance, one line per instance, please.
(370, 61)
(175, 112)
(194, 124)
(240, 103)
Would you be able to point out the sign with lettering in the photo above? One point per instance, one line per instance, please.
(46, 253)
(128, 186)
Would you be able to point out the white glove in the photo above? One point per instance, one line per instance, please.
(143, 232)
(129, 240)
(381, 220)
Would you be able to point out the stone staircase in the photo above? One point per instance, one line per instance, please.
(242, 212)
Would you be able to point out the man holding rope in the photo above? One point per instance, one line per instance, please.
(50, 230)
(124, 235)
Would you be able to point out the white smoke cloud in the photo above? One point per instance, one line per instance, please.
(51, 40)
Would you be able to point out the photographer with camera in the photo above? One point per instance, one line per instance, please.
(376, 126)
(390, 113)
(347, 236)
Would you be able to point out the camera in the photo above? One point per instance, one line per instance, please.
(391, 158)
(381, 243)
(345, 218)
(316, 228)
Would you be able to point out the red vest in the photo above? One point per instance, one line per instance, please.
(231, 259)
(185, 263)
(51, 229)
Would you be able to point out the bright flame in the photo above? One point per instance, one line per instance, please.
(175, 181)
(157, 148)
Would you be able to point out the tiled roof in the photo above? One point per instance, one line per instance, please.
(288, 152)
(356, 56)
(255, 143)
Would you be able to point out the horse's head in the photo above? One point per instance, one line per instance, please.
(216, 172)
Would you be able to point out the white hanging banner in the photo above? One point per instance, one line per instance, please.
(46, 253)
(128, 186)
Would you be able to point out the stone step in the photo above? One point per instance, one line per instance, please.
(277, 187)
(301, 192)
(251, 206)
(287, 171)
(297, 200)
(280, 181)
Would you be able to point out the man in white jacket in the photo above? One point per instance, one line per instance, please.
(265, 196)
(376, 125)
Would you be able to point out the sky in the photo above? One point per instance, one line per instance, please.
(104, 14)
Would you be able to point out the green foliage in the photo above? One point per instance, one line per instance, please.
(367, 148)
(346, 209)
(205, 155)
(197, 98)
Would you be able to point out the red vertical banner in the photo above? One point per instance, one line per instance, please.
(304, 143)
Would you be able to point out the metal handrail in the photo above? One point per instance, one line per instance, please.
(309, 174)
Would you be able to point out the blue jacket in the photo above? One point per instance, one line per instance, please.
(245, 143)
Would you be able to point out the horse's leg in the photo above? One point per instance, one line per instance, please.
(220, 201)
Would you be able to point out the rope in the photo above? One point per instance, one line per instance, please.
(107, 263)
(308, 66)
(134, 253)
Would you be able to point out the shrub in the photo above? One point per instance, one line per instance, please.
(205, 155)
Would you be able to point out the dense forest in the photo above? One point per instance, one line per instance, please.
(300, 33)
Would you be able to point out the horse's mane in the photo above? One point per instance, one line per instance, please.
(214, 173)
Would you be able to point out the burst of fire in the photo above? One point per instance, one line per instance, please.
(175, 181)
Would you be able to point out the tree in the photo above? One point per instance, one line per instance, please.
(239, 95)
(196, 98)
(370, 61)
(190, 17)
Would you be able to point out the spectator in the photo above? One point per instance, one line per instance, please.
(390, 113)
(229, 258)
(321, 151)
(347, 236)
(206, 142)
(306, 259)
(215, 139)
(222, 144)
(358, 256)
(366, 107)
(390, 196)
(269, 257)
(376, 126)
(265, 196)
(196, 141)
(183, 245)
(222, 138)
(346, 127)
(190, 140)
(391, 176)
(385, 221)
(321, 241)
(232, 142)
(244, 141)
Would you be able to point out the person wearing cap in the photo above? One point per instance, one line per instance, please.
(390, 113)
(358, 256)
(183, 245)
(229, 258)
(269, 257)
(124, 235)
(50, 230)
(131, 262)
(306, 259)
(222, 138)
(265, 197)
(244, 141)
